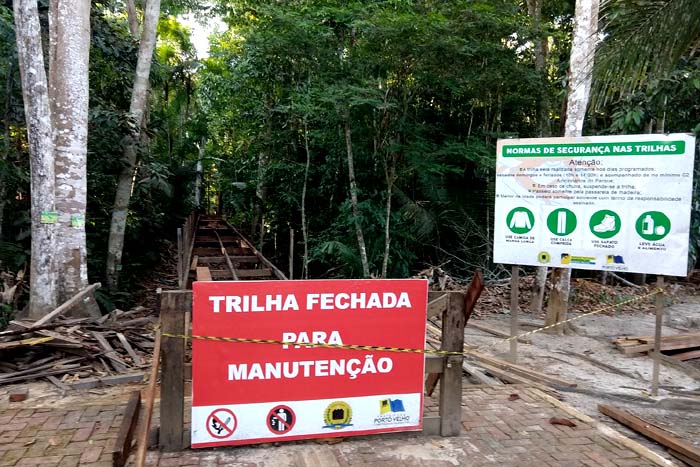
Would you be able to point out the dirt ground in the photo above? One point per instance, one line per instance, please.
(602, 373)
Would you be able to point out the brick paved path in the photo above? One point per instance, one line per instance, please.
(59, 437)
(497, 432)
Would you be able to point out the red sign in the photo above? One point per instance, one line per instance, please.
(323, 391)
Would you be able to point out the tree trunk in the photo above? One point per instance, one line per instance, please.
(581, 64)
(534, 8)
(43, 293)
(390, 175)
(6, 139)
(133, 18)
(353, 199)
(198, 175)
(304, 232)
(137, 109)
(69, 91)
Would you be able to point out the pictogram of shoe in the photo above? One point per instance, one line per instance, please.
(606, 225)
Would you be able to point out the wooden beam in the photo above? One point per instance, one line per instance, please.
(453, 321)
(203, 273)
(241, 273)
(67, 305)
(195, 262)
(279, 274)
(142, 442)
(173, 307)
(683, 356)
(91, 383)
(495, 332)
(130, 350)
(662, 437)
(231, 269)
(122, 445)
(476, 286)
(521, 370)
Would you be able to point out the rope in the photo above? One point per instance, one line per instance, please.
(243, 340)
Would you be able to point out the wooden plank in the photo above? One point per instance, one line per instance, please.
(476, 286)
(212, 251)
(279, 274)
(91, 383)
(142, 442)
(675, 344)
(195, 262)
(122, 445)
(241, 273)
(521, 370)
(683, 458)
(67, 305)
(479, 375)
(431, 382)
(495, 332)
(172, 392)
(130, 350)
(203, 274)
(231, 269)
(453, 321)
(650, 431)
(118, 364)
(604, 430)
(683, 356)
(180, 258)
(658, 325)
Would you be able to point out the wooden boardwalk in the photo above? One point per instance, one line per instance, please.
(221, 252)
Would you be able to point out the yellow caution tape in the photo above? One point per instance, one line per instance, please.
(242, 340)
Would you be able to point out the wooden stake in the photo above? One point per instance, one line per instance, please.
(67, 305)
(148, 408)
(180, 256)
(657, 337)
(514, 313)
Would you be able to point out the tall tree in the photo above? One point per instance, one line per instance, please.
(579, 88)
(43, 282)
(69, 52)
(137, 111)
(57, 107)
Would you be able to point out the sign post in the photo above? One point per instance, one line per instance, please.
(248, 392)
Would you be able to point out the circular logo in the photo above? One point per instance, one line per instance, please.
(543, 257)
(337, 415)
(653, 225)
(520, 220)
(561, 222)
(605, 224)
(221, 423)
(281, 419)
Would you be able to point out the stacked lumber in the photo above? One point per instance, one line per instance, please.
(680, 346)
(78, 353)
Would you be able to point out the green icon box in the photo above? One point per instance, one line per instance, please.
(653, 225)
(561, 222)
(605, 224)
(520, 220)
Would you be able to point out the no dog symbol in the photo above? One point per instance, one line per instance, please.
(221, 423)
(281, 419)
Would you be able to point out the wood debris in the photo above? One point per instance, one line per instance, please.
(680, 346)
(68, 351)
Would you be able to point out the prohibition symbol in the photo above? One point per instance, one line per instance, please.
(221, 423)
(281, 419)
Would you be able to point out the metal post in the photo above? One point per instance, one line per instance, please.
(659, 302)
(514, 292)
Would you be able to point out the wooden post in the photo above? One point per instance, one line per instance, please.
(453, 320)
(659, 302)
(514, 291)
(174, 305)
(180, 256)
(291, 254)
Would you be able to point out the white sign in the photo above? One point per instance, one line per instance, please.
(618, 203)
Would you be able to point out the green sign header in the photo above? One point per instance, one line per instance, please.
(623, 148)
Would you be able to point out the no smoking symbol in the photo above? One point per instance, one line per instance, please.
(221, 423)
(281, 419)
